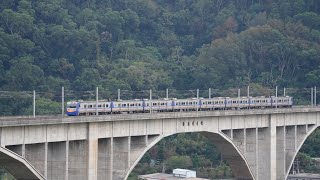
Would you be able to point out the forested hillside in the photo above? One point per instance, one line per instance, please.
(154, 44)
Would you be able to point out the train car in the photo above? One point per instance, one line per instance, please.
(72, 108)
(78, 108)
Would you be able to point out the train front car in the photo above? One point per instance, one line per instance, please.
(73, 108)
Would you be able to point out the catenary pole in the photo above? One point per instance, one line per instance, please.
(167, 93)
(62, 101)
(276, 96)
(34, 104)
(311, 96)
(238, 99)
(248, 91)
(198, 100)
(118, 94)
(315, 96)
(97, 98)
(209, 93)
(284, 92)
(150, 101)
(197, 93)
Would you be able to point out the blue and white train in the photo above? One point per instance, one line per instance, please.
(80, 108)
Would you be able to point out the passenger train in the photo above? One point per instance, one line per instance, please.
(80, 108)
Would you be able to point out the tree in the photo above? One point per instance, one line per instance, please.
(174, 162)
(31, 78)
(310, 19)
(17, 23)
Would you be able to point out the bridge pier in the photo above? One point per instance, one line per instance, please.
(77, 160)
(56, 160)
(121, 150)
(35, 154)
(281, 152)
(105, 159)
(92, 141)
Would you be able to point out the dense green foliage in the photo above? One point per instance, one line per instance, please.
(156, 44)
(188, 151)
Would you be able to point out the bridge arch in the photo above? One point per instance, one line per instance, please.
(227, 148)
(17, 166)
(302, 141)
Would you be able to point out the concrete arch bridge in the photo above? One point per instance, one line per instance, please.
(258, 144)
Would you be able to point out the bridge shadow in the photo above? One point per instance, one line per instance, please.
(212, 155)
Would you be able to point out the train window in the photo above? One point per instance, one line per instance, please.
(85, 106)
(182, 123)
(107, 105)
(99, 105)
(90, 106)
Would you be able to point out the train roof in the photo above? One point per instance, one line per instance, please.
(169, 99)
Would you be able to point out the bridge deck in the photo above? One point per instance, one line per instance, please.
(58, 119)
